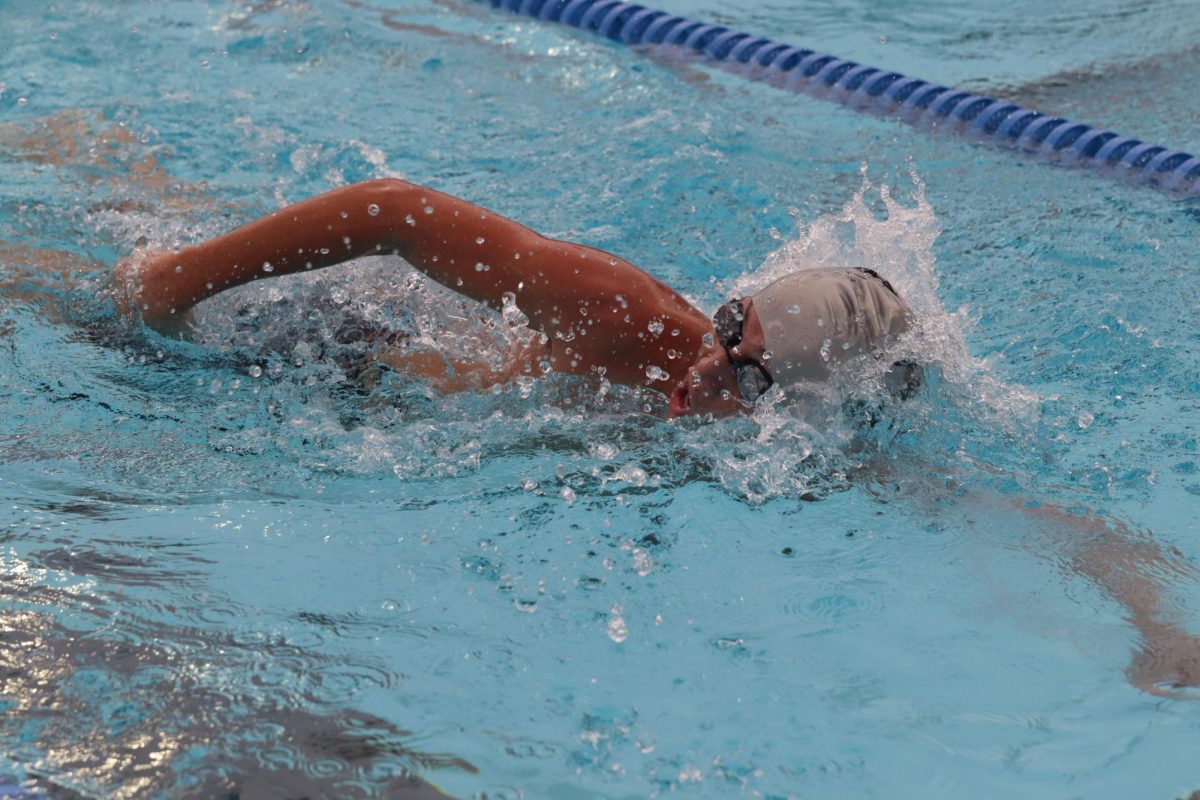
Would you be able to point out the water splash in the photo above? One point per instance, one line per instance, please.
(893, 231)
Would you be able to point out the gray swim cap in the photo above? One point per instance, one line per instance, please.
(812, 320)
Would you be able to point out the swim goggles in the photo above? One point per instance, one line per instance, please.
(752, 377)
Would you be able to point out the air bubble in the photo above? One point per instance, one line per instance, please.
(568, 494)
(178, 268)
(267, 267)
(793, 309)
(479, 240)
(428, 209)
(707, 339)
(656, 327)
(255, 371)
(373, 210)
(409, 219)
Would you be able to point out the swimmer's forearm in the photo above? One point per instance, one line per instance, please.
(312, 234)
(453, 241)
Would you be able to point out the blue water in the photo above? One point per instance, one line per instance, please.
(226, 567)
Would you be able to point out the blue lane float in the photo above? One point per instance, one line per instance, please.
(870, 89)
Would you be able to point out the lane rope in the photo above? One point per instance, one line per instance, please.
(872, 90)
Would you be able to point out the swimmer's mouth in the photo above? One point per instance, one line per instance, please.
(680, 402)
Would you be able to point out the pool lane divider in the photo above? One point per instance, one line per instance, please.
(924, 105)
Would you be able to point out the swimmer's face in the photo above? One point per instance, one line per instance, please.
(711, 385)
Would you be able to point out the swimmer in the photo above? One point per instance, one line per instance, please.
(597, 313)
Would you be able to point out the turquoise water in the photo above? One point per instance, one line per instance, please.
(226, 567)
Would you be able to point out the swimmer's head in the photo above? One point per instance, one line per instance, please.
(796, 329)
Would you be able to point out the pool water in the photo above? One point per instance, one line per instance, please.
(228, 568)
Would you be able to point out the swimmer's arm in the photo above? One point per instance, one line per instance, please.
(450, 376)
(463, 246)
(1133, 569)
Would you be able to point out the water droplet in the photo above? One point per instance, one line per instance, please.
(178, 268)
(820, 322)
(641, 562)
(479, 240)
(409, 219)
(1085, 419)
(208, 285)
(255, 371)
(428, 209)
(528, 606)
(267, 267)
(656, 374)
(388, 605)
(825, 345)
(481, 267)
(707, 339)
(344, 214)
(618, 631)
(568, 494)
(458, 282)
(612, 261)
(793, 309)
(656, 327)
(373, 210)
